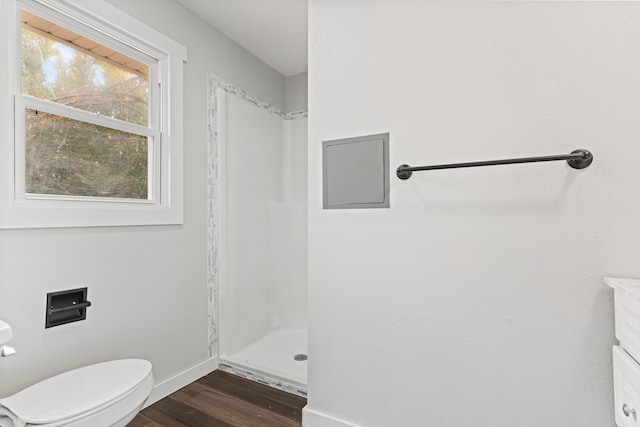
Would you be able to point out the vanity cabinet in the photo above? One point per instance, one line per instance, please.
(626, 369)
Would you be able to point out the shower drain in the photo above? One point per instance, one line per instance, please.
(300, 357)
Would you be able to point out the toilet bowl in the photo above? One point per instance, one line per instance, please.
(108, 394)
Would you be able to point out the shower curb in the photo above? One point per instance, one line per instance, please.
(263, 379)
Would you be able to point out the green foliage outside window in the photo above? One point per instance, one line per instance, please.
(70, 157)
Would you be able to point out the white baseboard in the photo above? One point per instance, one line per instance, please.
(175, 383)
(312, 418)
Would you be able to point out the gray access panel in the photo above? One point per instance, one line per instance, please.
(355, 172)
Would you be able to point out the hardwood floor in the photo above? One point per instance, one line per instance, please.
(224, 400)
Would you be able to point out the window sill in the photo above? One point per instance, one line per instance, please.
(16, 217)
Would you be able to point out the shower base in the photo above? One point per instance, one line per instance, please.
(275, 360)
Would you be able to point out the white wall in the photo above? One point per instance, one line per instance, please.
(296, 92)
(289, 255)
(148, 285)
(209, 51)
(476, 299)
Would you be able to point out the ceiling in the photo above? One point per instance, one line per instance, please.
(273, 30)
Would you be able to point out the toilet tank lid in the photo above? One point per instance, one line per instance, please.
(78, 391)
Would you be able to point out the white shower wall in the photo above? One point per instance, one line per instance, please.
(288, 227)
(263, 237)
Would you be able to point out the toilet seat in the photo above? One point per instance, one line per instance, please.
(78, 393)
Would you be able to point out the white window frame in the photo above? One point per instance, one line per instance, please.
(108, 25)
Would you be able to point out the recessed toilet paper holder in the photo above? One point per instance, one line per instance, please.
(66, 307)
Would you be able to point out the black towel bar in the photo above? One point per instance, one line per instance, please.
(578, 159)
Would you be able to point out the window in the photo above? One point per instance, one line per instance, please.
(90, 142)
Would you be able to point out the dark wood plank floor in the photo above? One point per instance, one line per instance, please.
(224, 400)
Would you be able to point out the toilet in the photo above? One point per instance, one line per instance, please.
(108, 394)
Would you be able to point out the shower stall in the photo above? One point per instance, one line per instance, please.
(257, 238)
